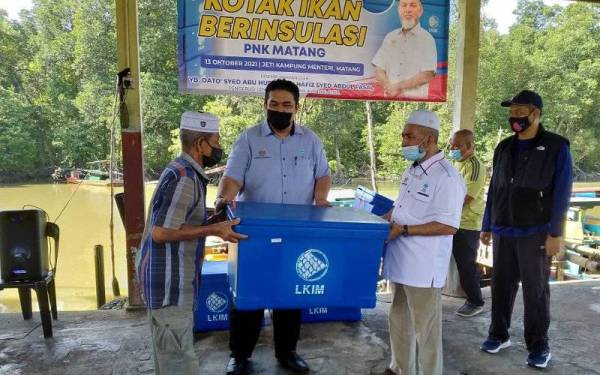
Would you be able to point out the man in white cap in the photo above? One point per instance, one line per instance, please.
(172, 247)
(426, 214)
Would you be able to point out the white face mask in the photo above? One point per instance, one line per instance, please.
(455, 154)
(413, 153)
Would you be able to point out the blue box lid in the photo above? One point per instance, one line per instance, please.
(214, 268)
(270, 214)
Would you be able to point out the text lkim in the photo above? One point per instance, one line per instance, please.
(309, 289)
(216, 317)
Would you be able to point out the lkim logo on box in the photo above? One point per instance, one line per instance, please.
(216, 302)
(312, 265)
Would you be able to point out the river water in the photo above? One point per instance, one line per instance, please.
(85, 223)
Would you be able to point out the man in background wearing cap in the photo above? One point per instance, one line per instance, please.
(172, 247)
(526, 205)
(465, 242)
(425, 216)
(278, 161)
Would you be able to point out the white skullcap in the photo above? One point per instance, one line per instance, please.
(424, 118)
(199, 122)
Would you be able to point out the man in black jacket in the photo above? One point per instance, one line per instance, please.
(527, 201)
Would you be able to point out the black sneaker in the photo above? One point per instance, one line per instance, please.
(294, 363)
(494, 346)
(237, 366)
(539, 360)
(468, 310)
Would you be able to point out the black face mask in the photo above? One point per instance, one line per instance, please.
(519, 124)
(279, 120)
(215, 156)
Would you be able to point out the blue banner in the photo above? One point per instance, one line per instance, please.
(346, 49)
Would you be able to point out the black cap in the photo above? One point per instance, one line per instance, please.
(525, 97)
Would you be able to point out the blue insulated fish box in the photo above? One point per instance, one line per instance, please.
(370, 201)
(331, 314)
(211, 310)
(299, 256)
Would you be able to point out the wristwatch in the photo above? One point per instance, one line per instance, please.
(405, 230)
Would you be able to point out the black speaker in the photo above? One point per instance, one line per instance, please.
(23, 245)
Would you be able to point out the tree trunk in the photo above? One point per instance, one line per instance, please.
(338, 176)
(371, 145)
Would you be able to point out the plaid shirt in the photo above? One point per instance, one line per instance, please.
(165, 270)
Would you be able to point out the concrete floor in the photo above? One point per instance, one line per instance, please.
(116, 342)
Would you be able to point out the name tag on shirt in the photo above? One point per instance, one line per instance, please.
(262, 154)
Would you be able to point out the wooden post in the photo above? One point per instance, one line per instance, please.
(371, 144)
(131, 137)
(99, 272)
(465, 94)
(467, 64)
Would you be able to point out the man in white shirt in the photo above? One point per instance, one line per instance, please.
(407, 60)
(425, 216)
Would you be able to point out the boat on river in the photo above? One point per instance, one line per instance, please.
(97, 174)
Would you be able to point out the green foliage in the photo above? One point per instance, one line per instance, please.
(339, 124)
(555, 51)
(58, 68)
(236, 114)
(17, 151)
(162, 109)
(389, 143)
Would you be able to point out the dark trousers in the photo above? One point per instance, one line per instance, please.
(245, 327)
(521, 259)
(465, 244)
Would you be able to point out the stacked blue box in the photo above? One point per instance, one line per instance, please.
(300, 256)
(591, 223)
(585, 194)
(211, 310)
(331, 314)
(370, 201)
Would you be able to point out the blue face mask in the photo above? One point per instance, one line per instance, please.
(455, 155)
(413, 153)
